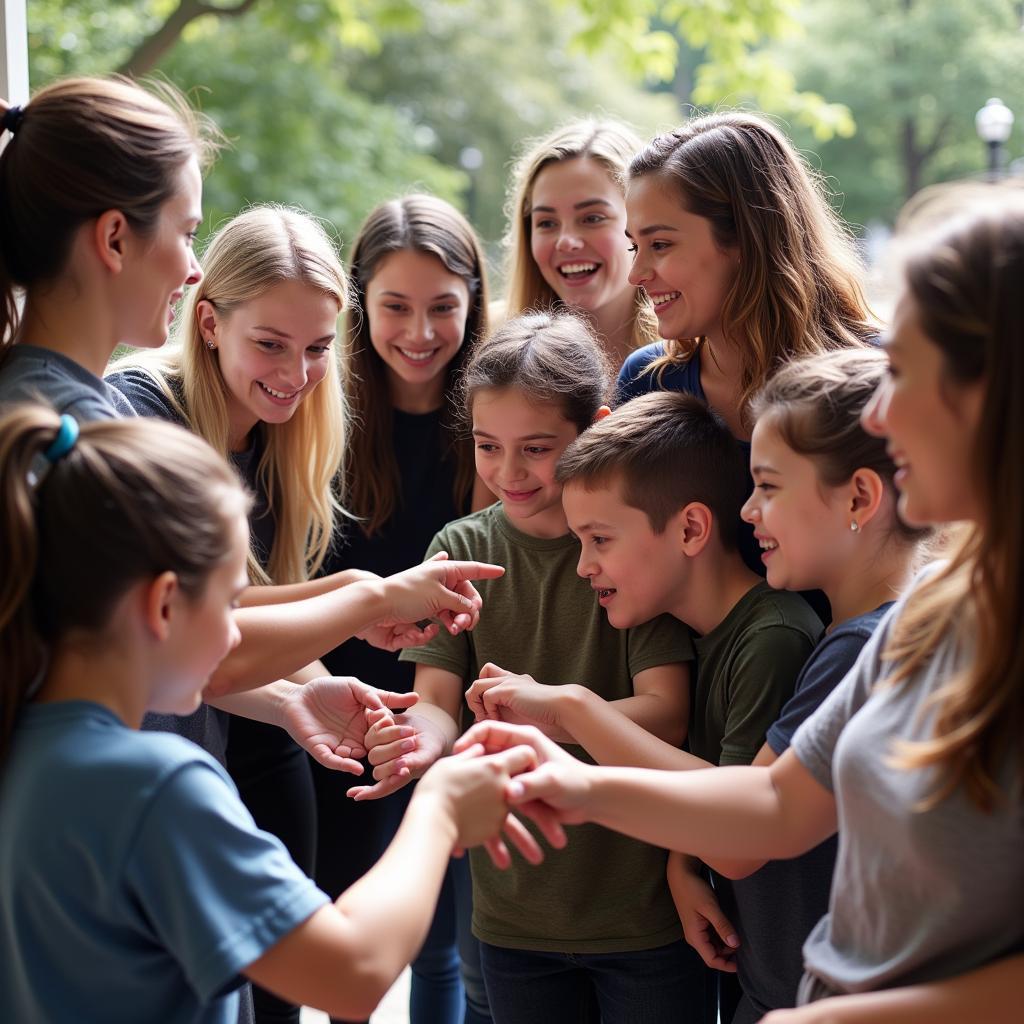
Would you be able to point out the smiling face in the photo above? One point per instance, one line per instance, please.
(636, 573)
(417, 311)
(518, 444)
(802, 525)
(155, 282)
(272, 350)
(677, 261)
(930, 423)
(577, 217)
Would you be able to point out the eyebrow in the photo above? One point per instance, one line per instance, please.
(653, 229)
(443, 295)
(763, 469)
(282, 334)
(594, 527)
(576, 206)
(525, 437)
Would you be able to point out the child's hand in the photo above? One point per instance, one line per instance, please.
(437, 589)
(401, 749)
(327, 717)
(706, 928)
(558, 787)
(502, 696)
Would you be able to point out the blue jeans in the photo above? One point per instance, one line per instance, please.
(650, 986)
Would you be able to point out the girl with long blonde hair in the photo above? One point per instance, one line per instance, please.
(566, 216)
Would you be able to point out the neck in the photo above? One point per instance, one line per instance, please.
(416, 398)
(717, 581)
(614, 324)
(241, 423)
(867, 582)
(102, 673)
(546, 525)
(75, 325)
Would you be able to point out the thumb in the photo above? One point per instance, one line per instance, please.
(490, 670)
(441, 556)
(721, 924)
(516, 760)
(399, 701)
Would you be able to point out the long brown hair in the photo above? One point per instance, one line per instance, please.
(83, 146)
(608, 142)
(965, 283)
(415, 223)
(132, 499)
(798, 290)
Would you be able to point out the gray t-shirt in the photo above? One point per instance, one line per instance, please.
(917, 896)
(29, 373)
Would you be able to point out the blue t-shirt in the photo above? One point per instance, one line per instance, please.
(134, 884)
(775, 908)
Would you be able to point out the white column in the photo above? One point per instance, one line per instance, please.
(13, 51)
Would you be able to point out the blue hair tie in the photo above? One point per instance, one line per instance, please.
(11, 119)
(67, 435)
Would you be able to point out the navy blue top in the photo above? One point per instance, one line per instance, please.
(775, 908)
(424, 505)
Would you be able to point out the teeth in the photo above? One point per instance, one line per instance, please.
(417, 357)
(604, 592)
(665, 297)
(767, 545)
(577, 268)
(277, 394)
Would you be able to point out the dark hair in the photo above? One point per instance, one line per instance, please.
(667, 449)
(552, 357)
(416, 223)
(816, 402)
(798, 289)
(132, 499)
(84, 146)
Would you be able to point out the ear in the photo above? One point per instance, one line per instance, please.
(159, 604)
(208, 320)
(692, 525)
(110, 233)
(866, 492)
(601, 413)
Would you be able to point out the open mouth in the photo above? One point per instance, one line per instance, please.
(281, 396)
(605, 594)
(418, 357)
(662, 300)
(576, 272)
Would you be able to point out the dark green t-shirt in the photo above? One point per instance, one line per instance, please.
(604, 892)
(747, 667)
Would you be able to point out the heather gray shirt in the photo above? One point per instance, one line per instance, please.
(29, 373)
(917, 896)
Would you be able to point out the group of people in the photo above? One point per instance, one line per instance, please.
(678, 545)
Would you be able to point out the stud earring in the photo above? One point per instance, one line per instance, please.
(210, 344)
(854, 526)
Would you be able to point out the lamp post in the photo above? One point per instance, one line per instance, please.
(993, 123)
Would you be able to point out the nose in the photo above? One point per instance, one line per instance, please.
(511, 466)
(568, 241)
(297, 372)
(423, 328)
(873, 415)
(195, 271)
(585, 566)
(639, 272)
(751, 511)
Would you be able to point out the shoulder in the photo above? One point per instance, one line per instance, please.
(633, 380)
(469, 532)
(769, 608)
(30, 374)
(149, 392)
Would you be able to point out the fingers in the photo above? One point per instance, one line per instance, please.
(385, 787)
(547, 821)
(383, 752)
(329, 759)
(497, 736)
(457, 572)
(398, 701)
(498, 852)
(721, 924)
(520, 837)
(491, 671)
(475, 698)
(517, 759)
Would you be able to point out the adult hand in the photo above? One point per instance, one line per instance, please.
(327, 717)
(706, 928)
(400, 749)
(502, 696)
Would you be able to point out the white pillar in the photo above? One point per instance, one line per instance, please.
(13, 51)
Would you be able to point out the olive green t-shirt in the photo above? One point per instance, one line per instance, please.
(604, 892)
(746, 670)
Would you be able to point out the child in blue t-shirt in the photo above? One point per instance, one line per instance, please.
(133, 882)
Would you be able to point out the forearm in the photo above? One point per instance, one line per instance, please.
(611, 735)
(279, 594)
(281, 639)
(262, 704)
(718, 812)
(990, 994)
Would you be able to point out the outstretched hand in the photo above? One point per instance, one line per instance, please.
(502, 696)
(327, 718)
(400, 750)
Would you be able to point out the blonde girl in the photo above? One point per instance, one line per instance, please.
(566, 217)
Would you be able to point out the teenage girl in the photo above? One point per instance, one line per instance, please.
(916, 757)
(566, 215)
(744, 261)
(420, 301)
(595, 934)
(100, 198)
(131, 876)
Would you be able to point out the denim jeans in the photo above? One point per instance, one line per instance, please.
(650, 986)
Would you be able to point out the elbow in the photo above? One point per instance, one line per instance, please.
(361, 992)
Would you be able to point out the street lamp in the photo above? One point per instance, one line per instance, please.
(994, 122)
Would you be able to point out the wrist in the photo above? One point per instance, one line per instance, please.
(573, 706)
(431, 802)
(372, 598)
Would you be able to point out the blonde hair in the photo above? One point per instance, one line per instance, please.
(964, 281)
(83, 146)
(415, 223)
(798, 290)
(609, 143)
(299, 469)
(132, 498)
